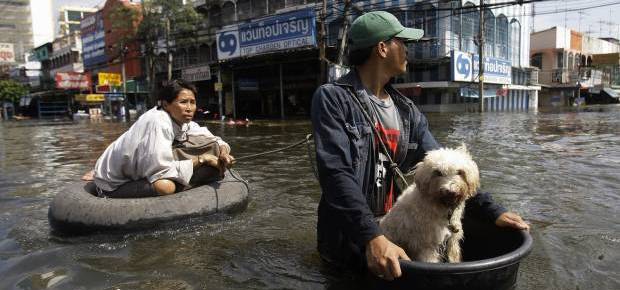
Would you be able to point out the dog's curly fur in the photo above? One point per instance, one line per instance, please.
(426, 219)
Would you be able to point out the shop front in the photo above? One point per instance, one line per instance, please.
(268, 66)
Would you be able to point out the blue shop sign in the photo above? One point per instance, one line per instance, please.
(280, 32)
(93, 40)
(465, 68)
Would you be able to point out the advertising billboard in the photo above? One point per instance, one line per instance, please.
(93, 40)
(7, 54)
(111, 79)
(465, 68)
(279, 32)
(72, 80)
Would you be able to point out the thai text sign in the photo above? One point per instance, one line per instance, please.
(282, 31)
(93, 39)
(109, 79)
(90, 98)
(197, 73)
(7, 54)
(72, 80)
(465, 68)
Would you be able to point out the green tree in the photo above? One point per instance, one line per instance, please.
(11, 91)
(166, 25)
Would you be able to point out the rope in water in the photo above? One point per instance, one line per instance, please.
(308, 142)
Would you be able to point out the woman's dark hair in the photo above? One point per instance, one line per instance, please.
(171, 90)
(359, 56)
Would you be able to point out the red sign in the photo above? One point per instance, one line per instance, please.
(72, 80)
(103, 89)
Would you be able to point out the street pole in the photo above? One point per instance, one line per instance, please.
(124, 76)
(168, 48)
(219, 93)
(345, 27)
(322, 43)
(481, 59)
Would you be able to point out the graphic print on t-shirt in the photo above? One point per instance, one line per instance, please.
(387, 123)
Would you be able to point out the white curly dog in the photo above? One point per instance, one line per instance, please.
(426, 219)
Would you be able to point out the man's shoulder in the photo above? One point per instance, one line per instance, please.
(330, 90)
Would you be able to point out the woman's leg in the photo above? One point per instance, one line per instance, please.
(133, 189)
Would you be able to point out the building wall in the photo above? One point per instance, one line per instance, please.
(113, 37)
(69, 18)
(16, 27)
(42, 22)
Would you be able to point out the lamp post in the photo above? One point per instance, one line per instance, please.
(124, 50)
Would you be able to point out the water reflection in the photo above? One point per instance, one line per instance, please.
(559, 169)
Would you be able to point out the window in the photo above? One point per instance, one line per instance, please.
(455, 26)
(515, 47)
(228, 13)
(74, 15)
(275, 5)
(502, 38)
(489, 33)
(560, 59)
(215, 16)
(259, 8)
(244, 9)
(334, 30)
(469, 28)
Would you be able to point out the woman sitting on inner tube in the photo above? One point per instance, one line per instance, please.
(140, 162)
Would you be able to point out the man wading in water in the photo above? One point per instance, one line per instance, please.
(356, 181)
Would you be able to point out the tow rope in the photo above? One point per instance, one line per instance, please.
(306, 140)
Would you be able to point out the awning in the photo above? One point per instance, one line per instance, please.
(612, 93)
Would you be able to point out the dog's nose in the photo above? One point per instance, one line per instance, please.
(449, 197)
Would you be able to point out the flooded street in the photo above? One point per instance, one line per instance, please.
(559, 170)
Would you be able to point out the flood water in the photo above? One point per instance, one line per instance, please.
(560, 170)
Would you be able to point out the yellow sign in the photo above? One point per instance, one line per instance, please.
(90, 98)
(111, 79)
(218, 86)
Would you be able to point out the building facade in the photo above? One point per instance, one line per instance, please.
(565, 60)
(69, 18)
(434, 81)
(15, 32)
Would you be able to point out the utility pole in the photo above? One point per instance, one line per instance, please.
(322, 43)
(168, 48)
(345, 27)
(124, 50)
(481, 58)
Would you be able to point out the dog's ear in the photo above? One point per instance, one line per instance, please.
(421, 176)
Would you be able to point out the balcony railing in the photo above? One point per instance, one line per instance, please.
(584, 76)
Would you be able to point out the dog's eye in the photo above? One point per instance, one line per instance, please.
(461, 173)
(437, 173)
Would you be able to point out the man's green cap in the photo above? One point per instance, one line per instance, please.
(376, 26)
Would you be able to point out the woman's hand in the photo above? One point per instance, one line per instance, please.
(227, 160)
(209, 160)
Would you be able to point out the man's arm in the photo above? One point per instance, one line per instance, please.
(341, 190)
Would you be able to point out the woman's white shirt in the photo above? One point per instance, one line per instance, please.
(145, 151)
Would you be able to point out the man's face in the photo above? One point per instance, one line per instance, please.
(398, 55)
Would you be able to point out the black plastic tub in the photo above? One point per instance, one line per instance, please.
(491, 258)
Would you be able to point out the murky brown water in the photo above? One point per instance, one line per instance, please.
(560, 170)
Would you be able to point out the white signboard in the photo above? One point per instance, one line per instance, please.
(465, 69)
(278, 32)
(197, 73)
(7, 54)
